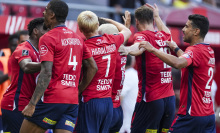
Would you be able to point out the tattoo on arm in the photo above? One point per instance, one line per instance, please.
(43, 81)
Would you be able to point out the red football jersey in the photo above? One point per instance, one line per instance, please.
(104, 51)
(155, 78)
(196, 81)
(22, 86)
(66, 50)
(119, 80)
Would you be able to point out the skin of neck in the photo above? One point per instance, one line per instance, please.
(88, 35)
(55, 23)
(196, 40)
(143, 27)
(34, 41)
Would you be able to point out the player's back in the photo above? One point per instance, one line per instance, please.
(104, 50)
(23, 85)
(195, 93)
(65, 49)
(155, 79)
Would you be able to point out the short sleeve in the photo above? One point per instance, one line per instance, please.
(192, 56)
(46, 48)
(21, 54)
(86, 53)
(119, 39)
(165, 36)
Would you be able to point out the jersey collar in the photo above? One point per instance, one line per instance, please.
(32, 46)
(60, 26)
(95, 36)
(202, 43)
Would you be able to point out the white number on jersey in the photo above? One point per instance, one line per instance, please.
(108, 63)
(167, 51)
(74, 63)
(210, 73)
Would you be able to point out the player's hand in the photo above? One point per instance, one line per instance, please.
(123, 50)
(28, 110)
(154, 9)
(147, 46)
(127, 19)
(172, 45)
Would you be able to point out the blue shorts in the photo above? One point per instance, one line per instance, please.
(12, 120)
(154, 116)
(117, 120)
(193, 124)
(55, 116)
(95, 116)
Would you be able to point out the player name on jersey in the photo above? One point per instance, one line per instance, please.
(104, 84)
(103, 50)
(166, 77)
(69, 80)
(70, 41)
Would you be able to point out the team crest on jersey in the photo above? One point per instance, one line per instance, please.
(140, 38)
(43, 50)
(25, 52)
(159, 34)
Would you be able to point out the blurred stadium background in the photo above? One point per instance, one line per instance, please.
(16, 14)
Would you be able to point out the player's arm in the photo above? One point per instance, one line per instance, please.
(173, 46)
(42, 84)
(89, 70)
(176, 62)
(160, 25)
(3, 77)
(132, 50)
(29, 67)
(121, 28)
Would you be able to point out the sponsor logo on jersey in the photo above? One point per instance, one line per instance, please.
(140, 38)
(159, 34)
(151, 131)
(49, 121)
(69, 123)
(25, 52)
(43, 50)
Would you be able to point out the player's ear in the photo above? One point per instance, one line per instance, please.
(196, 31)
(136, 21)
(35, 31)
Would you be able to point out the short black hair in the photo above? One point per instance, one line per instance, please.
(34, 24)
(22, 32)
(129, 60)
(201, 22)
(60, 10)
(144, 15)
(13, 36)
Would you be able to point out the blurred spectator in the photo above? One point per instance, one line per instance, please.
(23, 36)
(4, 68)
(129, 94)
(181, 3)
(119, 4)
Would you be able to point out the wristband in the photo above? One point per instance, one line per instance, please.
(176, 49)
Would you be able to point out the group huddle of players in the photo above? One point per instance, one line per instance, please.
(94, 70)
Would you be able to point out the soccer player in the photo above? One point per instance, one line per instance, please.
(195, 113)
(96, 108)
(117, 119)
(155, 108)
(25, 66)
(61, 55)
(23, 36)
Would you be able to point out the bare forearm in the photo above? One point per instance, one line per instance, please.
(42, 84)
(32, 67)
(160, 25)
(117, 24)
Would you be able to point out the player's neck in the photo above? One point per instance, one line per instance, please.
(89, 35)
(56, 24)
(196, 41)
(144, 27)
(34, 42)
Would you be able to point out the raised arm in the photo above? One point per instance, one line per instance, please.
(29, 67)
(42, 84)
(132, 50)
(89, 70)
(160, 25)
(121, 28)
(176, 62)
(173, 46)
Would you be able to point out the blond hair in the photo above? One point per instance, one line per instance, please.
(88, 22)
(108, 29)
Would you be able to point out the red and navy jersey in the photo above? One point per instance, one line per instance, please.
(104, 51)
(196, 81)
(119, 80)
(66, 50)
(22, 87)
(155, 79)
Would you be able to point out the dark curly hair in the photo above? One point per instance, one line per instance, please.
(34, 24)
(60, 10)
